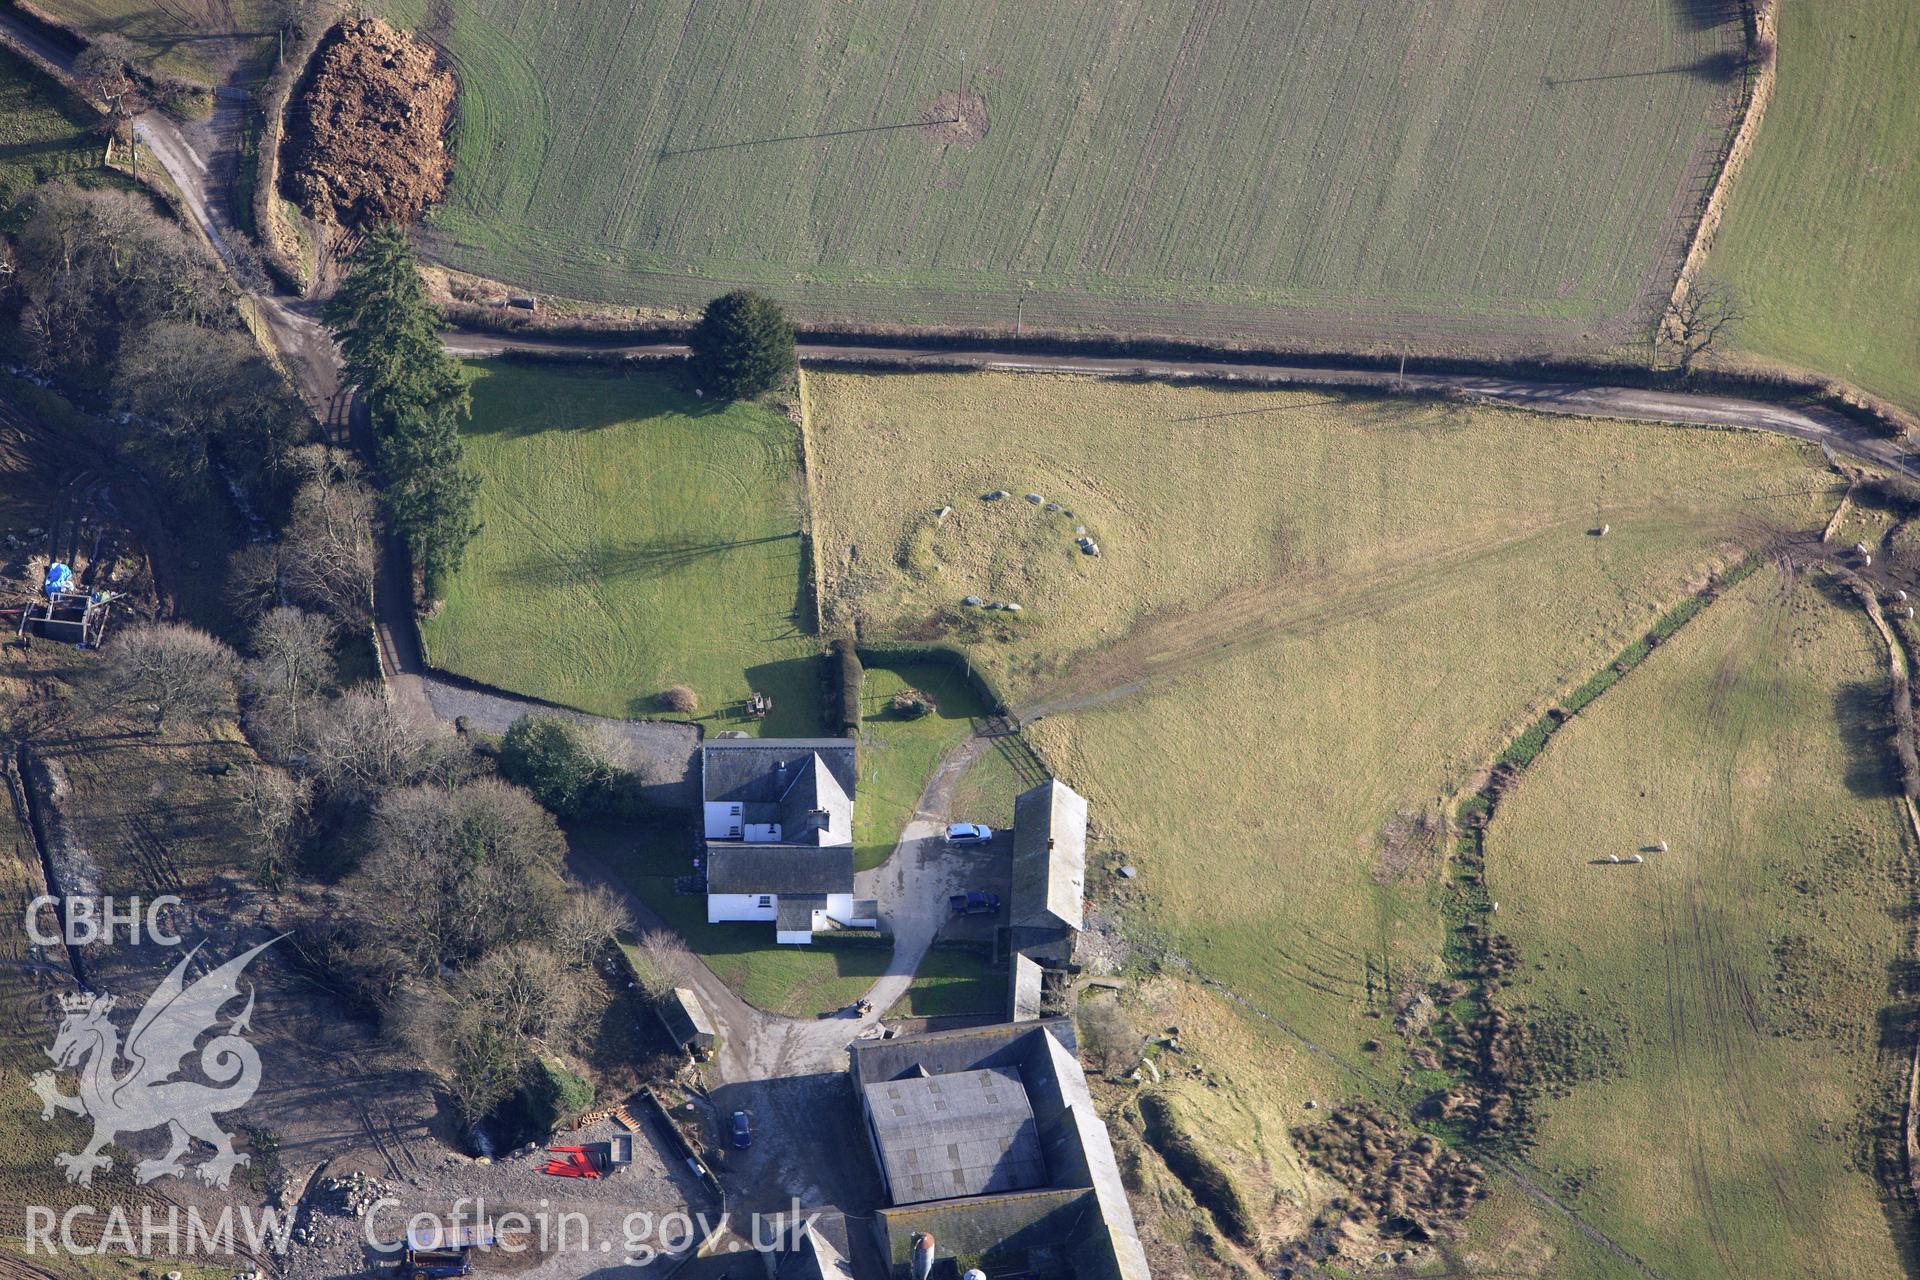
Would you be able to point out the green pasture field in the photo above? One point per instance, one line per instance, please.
(1727, 993)
(193, 39)
(1822, 237)
(1454, 174)
(44, 134)
(1313, 615)
(633, 538)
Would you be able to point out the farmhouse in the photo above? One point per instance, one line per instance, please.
(987, 1140)
(1049, 882)
(778, 825)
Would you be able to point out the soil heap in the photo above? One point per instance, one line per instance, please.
(369, 136)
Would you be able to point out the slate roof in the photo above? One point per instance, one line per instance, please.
(795, 911)
(966, 1133)
(804, 1251)
(760, 770)
(734, 867)
(1023, 996)
(1074, 1147)
(1049, 856)
(941, 1052)
(815, 808)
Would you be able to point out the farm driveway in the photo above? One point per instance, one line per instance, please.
(912, 888)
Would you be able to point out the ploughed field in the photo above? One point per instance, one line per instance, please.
(1454, 173)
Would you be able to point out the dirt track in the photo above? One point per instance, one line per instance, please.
(1575, 399)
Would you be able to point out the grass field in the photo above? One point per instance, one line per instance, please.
(1729, 990)
(44, 134)
(635, 538)
(1230, 518)
(193, 39)
(1310, 615)
(1822, 239)
(897, 756)
(1453, 173)
(1314, 617)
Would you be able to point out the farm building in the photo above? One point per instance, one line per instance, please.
(808, 1250)
(686, 1020)
(778, 826)
(1049, 884)
(987, 1139)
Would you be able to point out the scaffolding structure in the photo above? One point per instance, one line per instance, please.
(76, 617)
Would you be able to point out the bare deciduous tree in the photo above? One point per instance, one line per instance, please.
(1701, 320)
(253, 580)
(291, 669)
(196, 390)
(176, 671)
(328, 555)
(453, 874)
(1107, 1038)
(523, 989)
(358, 745)
(275, 802)
(661, 962)
(593, 919)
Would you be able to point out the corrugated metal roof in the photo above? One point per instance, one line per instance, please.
(966, 1133)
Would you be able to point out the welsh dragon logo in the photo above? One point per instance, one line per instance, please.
(144, 1095)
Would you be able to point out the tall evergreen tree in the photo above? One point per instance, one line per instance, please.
(389, 334)
(388, 330)
(743, 345)
(431, 490)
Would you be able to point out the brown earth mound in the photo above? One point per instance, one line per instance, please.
(369, 135)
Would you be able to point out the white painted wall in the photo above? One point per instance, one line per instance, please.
(722, 907)
(722, 820)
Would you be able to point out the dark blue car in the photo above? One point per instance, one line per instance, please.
(742, 1130)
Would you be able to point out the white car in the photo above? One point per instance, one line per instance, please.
(968, 833)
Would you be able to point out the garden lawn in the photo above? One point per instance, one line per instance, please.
(1452, 172)
(1822, 238)
(633, 538)
(898, 755)
(954, 979)
(1728, 1096)
(798, 982)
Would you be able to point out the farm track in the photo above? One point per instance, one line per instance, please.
(294, 331)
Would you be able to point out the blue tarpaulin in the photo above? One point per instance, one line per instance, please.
(59, 578)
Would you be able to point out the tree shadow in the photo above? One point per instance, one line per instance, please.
(1720, 67)
(646, 393)
(1704, 15)
(798, 687)
(654, 559)
(1861, 715)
